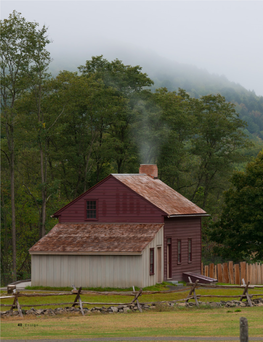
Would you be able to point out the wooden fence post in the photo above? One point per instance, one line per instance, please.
(231, 273)
(215, 274)
(243, 329)
(219, 273)
(225, 273)
(245, 294)
(78, 299)
(206, 270)
(251, 274)
(211, 270)
(243, 271)
(193, 291)
(247, 273)
(237, 275)
(16, 304)
(136, 298)
(256, 273)
(259, 274)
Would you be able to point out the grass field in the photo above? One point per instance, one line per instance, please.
(177, 322)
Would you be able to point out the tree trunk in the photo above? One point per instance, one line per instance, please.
(10, 135)
(12, 172)
(42, 230)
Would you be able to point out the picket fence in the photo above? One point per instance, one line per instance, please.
(231, 273)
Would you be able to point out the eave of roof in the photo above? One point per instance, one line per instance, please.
(189, 215)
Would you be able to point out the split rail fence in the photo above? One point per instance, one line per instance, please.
(136, 294)
(231, 273)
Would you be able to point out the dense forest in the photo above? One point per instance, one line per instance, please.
(62, 134)
(198, 83)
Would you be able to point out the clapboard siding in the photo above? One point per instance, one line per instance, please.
(115, 203)
(97, 271)
(183, 229)
(85, 271)
(149, 280)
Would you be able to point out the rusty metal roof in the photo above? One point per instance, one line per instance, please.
(92, 238)
(159, 194)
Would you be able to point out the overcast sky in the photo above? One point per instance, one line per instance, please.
(223, 37)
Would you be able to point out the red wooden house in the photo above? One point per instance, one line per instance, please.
(129, 229)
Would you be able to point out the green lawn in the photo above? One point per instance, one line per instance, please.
(177, 322)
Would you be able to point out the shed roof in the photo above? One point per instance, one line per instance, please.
(159, 194)
(97, 238)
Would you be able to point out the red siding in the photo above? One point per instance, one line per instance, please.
(183, 229)
(115, 203)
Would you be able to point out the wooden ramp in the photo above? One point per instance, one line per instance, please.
(195, 276)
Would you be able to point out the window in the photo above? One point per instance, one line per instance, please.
(91, 210)
(151, 261)
(189, 250)
(179, 251)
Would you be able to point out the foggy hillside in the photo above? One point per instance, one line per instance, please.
(173, 75)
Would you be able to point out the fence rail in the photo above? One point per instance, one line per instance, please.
(234, 273)
(78, 302)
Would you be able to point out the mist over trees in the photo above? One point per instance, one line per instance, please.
(61, 135)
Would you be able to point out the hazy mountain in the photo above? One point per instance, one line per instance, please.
(172, 75)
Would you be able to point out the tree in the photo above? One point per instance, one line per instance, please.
(128, 83)
(23, 56)
(239, 231)
(178, 124)
(217, 143)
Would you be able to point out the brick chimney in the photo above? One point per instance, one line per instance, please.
(150, 169)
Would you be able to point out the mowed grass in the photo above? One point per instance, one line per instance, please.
(29, 301)
(177, 322)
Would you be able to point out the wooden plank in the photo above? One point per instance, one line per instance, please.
(18, 308)
(136, 295)
(14, 304)
(77, 297)
(192, 291)
(202, 268)
(245, 291)
(237, 274)
(243, 271)
(206, 270)
(211, 270)
(215, 274)
(136, 298)
(251, 274)
(249, 300)
(81, 307)
(43, 294)
(259, 275)
(231, 272)
(219, 273)
(262, 274)
(225, 286)
(225, 273)
(256, 272)
(247, 273)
